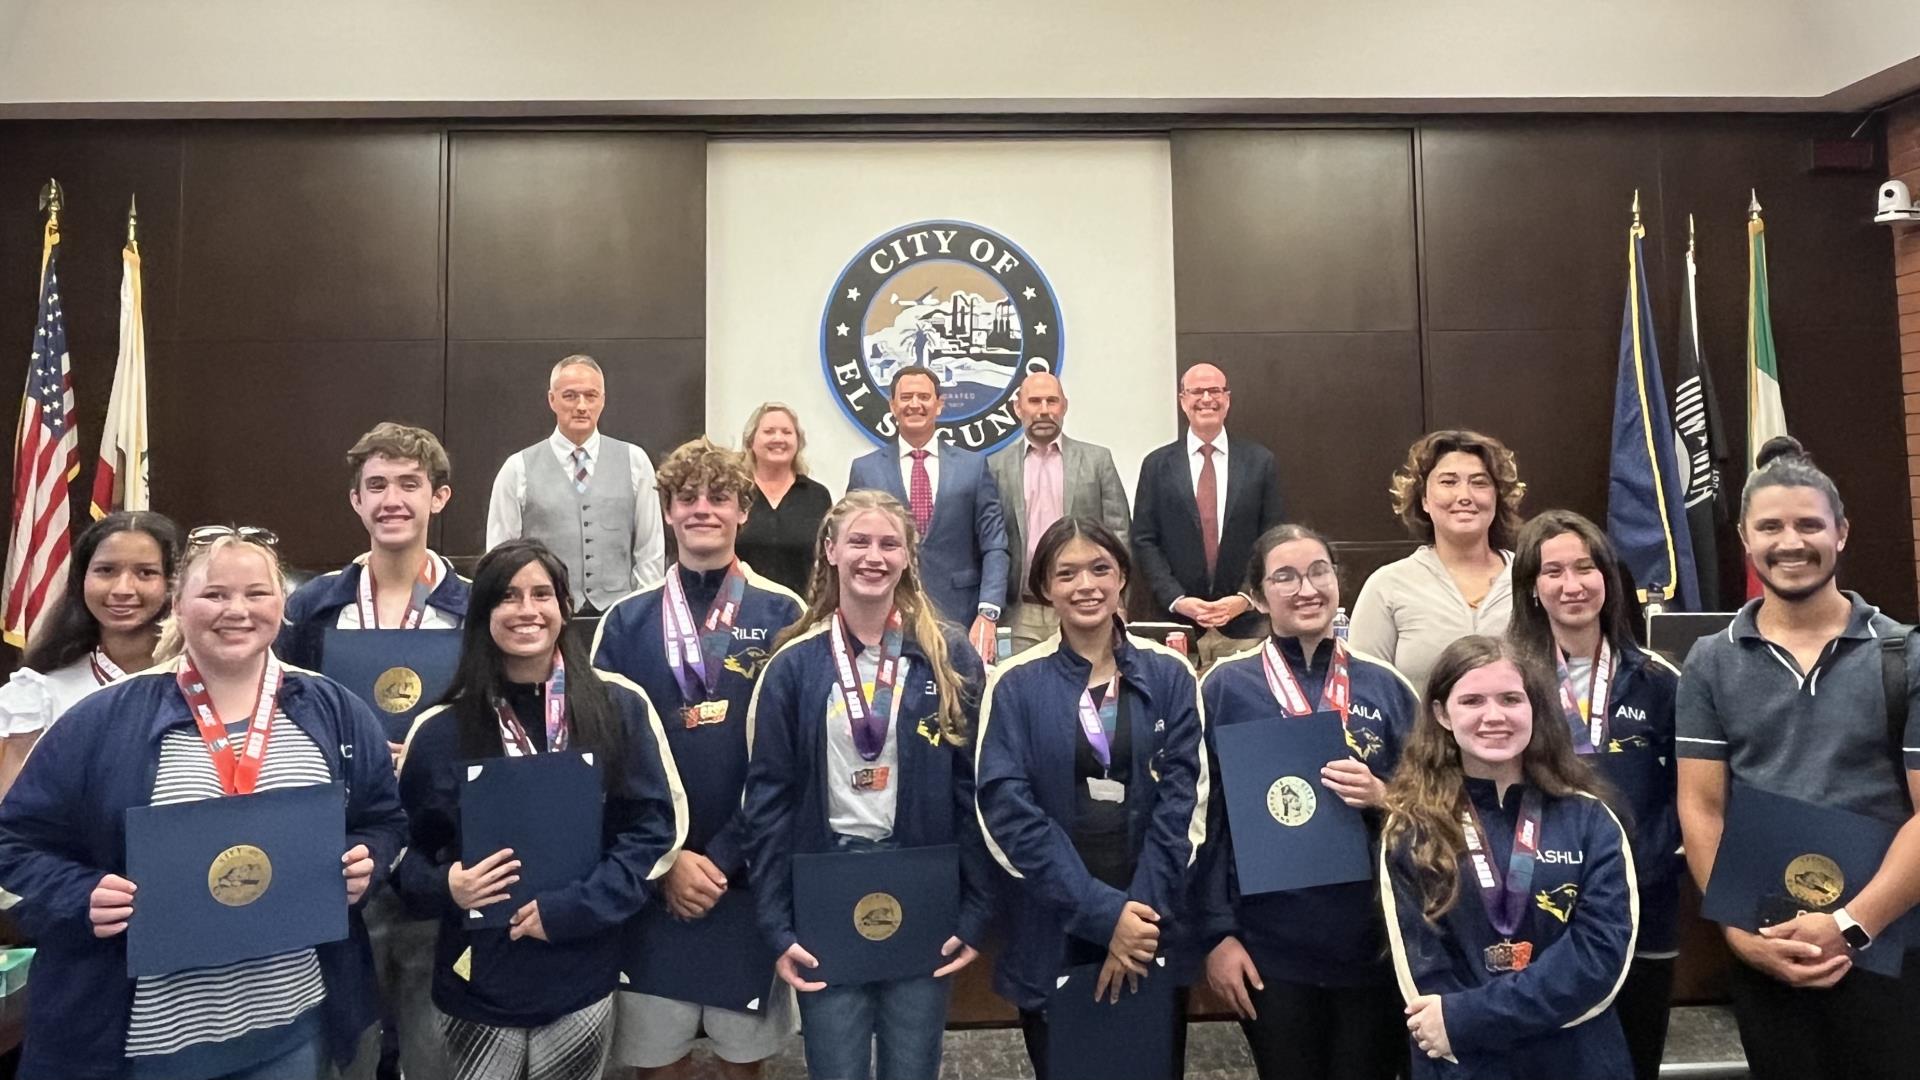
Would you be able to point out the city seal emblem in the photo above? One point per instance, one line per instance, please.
(1291, 801)
(956, 298)
(397, 690)
(877, 916)
(239, 875)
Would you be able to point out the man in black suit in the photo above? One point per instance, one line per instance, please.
(1201, 504)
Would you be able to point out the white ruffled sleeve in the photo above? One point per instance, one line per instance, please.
(26, 703)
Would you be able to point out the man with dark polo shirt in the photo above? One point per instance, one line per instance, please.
(1791, 699)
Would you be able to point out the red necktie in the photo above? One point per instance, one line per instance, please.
(920, 492)
(1207, 494)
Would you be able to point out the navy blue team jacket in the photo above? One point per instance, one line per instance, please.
(1554, 1019)
(1332, 935)
(1641, 703)
(528, 983)
(62, 828)
(1027, 790)
(712, 758)
(314, 608)
(786, 795)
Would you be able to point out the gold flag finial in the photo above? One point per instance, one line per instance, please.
(1753, 205)
(1636, 206)
(133, 222)
(1689, 234)
(52, 199)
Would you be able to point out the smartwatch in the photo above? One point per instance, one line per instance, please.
(1857, 937)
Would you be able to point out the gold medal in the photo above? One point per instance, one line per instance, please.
(397, 690)
(239, 875)
(706, 712)
(1291, 801)
(877, 916)
(1815, 880)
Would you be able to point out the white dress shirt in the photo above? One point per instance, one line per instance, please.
(1194, 459)
(430, 619)
(933, 468)
(649, 532)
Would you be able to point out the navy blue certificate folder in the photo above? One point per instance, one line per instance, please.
(719, 959)
(547, 808)
(400, 673)
(1131, 1039)
(870, 916)
(1288, 831)
(1780, 856)
(235, 878)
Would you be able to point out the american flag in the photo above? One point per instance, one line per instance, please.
(45, 461)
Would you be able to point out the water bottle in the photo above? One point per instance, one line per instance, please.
(1340, 624)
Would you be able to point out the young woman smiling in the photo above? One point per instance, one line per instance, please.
(1305, 970)
(1092, 787)
(1508, 885)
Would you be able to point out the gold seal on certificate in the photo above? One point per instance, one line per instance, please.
(1291, 801)
(239, 875)
(397, 690)
(1816, 880)
(877, 916)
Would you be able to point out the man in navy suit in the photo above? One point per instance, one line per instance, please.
(955, 505)
(1202, 503)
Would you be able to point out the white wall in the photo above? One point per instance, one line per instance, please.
(510, 56)
(783, 218)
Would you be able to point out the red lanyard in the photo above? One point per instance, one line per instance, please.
(514, 738)
(239, 769)
(416, 603)
(104, 669)
(1335, 696)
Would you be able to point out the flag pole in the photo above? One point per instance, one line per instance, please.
(133, 222)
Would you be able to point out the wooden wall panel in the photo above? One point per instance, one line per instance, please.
(1294, 230)
(577, 235)
(311, 233)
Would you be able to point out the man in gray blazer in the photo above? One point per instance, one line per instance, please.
(963, 539)
(1044, 477)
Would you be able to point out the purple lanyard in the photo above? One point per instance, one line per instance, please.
(1505, 898)
(1097, 722)
(553, 702)
(869, 718)
(696, 654)
(1590, 727)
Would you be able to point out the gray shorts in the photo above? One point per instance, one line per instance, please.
(653, 1032)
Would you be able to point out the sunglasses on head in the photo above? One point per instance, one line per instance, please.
(253, 534)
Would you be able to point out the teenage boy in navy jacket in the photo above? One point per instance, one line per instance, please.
(696, 643)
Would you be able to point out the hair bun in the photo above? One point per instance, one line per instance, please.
(1780, 446)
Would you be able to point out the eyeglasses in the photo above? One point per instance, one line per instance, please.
(1203, 392)
(1286, 580)
(252, 534)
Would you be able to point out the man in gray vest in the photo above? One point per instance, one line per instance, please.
(585, 495)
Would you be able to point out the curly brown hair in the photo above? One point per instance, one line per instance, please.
(704, 465)
(400, 442)
(1423, 798)
(1410, 483)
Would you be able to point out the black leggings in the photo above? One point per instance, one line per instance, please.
(1303, 1032)
(1642, 1006)
(1866, 1028)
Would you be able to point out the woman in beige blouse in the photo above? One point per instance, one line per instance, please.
(1459, 494)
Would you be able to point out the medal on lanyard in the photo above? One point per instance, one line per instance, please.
(697, 654)
(553, 702)
(238, 768)
(1587, 717)
(869, 717)
(104, 669)
(1505, 896)
(416, 601)
(1335, 696)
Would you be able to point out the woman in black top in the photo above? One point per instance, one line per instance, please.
(787, 506)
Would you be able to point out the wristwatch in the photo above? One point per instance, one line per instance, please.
(991, 612)
(1857, 937)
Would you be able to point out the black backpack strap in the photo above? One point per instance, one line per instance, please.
(1893, 682)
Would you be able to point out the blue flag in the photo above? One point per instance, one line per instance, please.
(1646, 497)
